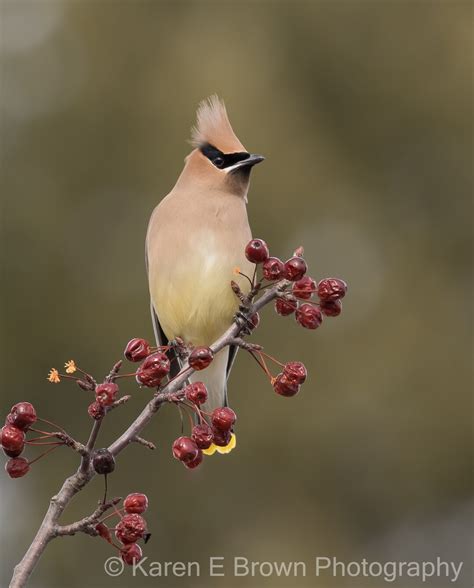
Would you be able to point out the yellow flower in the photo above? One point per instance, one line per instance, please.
(53, 376)
(70, 366)
(236, 270)
(228, 448)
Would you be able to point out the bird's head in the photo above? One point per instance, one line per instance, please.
(219, 160)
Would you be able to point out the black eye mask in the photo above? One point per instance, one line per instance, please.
(222, 160)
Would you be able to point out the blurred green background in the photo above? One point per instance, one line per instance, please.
(364, 112)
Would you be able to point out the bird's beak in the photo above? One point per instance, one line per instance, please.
(251, 160)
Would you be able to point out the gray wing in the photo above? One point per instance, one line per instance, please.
(160, 337)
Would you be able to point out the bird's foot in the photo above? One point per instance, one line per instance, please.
(179, 347)
(244, 319)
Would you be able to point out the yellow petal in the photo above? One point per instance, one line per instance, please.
(70, 366)
(53, 376)
(228, 448)
(210, 450)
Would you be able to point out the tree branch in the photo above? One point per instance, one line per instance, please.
(50, 528)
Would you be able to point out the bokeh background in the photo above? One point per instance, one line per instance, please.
(364, 112)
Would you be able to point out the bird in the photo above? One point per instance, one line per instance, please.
(195, 246)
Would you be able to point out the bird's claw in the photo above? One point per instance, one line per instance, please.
(243, 320)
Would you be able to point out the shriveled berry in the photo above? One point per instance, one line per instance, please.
(103, 461)
(137, 349)
(220, 437)
(185, 449)
(131, 553)
(223, 418)
(17, 467)
(331, 307)
(196, 393)
(305, 288)
(202, 436)
(194, 462)
(295, 268)
(22, 415)
(285, 306)
(158, 364)
(256, 251)
(131, 528)
(309, 316)
(105, 393)
(273, 269)
(200, 358)
(103, 531)
(96, 411)
(147, 378)
(15, 453)
(285, 387)
(136, 503)
(332, 289)
(12, 438)
(295, 371)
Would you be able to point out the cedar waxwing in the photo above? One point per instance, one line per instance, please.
(195, 241)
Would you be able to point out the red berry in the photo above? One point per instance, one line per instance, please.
(273, 269)
(304, 288)
(285, 387)
(332, 289)
(103, 461)
(309, 316)
(137, 349)
(221, 438)
(196, 393)
(155, 367)
(257, 251)
(22, 415)
(131, 553)
(12, 438)
(195, 462)
(136, 503)
(200, 358)
(295, 371)
(202, 436)
(185, 449)
(15, 453)
(295, 268)
(103, 531)
(223, 418)
(131, 528)
(17, 467)
(147, 378)
(285, 306)
(158, 363)
(105, 393)
(331, 307)
(96, 411)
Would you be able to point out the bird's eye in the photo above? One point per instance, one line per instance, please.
(218, 161)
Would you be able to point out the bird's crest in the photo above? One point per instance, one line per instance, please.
(213, 127)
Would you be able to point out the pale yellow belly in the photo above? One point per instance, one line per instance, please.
(193, 297)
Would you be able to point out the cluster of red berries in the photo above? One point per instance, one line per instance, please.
(189, 450)
(156, 364)
(308, 314)
(13, 437)
(131, 528)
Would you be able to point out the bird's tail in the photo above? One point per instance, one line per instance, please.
(214, 377)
